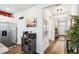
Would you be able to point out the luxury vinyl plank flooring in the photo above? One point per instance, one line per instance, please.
(16, 50)
(56, 47)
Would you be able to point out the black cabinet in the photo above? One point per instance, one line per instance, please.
(29, 42)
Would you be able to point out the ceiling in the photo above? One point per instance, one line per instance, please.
(13, 8)
(60, 9)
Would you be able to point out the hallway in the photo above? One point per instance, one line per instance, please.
(56, 47)
(32, 26)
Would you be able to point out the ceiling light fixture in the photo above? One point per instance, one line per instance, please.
(7, 9)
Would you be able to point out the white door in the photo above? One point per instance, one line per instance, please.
(62, 26)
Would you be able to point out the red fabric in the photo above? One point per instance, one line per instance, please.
(5, 13)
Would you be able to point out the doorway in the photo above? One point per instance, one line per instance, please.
(58, 23)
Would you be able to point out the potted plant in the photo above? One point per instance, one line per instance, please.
(73, 36)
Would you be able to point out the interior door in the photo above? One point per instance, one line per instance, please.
(62, 29)
(62, 26)
(4, 32)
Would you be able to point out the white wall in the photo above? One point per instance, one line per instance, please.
(50, 24)
(75, 9)
(47, 16)
(35, 11)
(7, 19)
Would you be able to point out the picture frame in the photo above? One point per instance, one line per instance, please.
(31, 22)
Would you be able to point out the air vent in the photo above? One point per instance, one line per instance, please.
(21, 17)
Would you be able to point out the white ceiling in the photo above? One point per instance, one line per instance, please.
(13, 8)
(60, 9)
